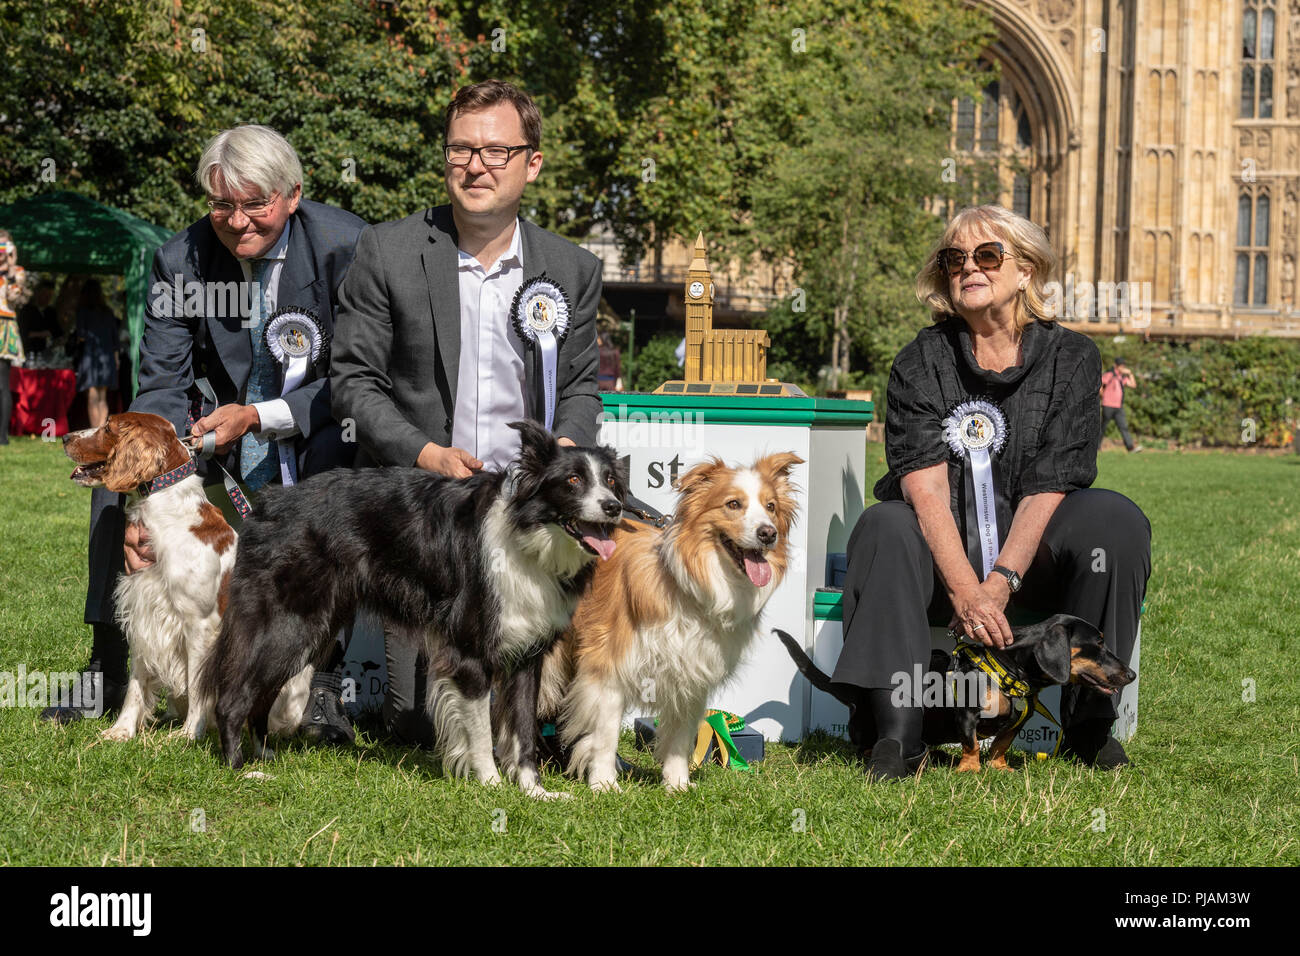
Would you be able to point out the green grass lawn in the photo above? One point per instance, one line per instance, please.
(1214, 779)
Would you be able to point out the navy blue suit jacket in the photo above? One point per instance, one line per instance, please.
(179, 348)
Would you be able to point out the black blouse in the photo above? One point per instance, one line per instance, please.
(1050, 402)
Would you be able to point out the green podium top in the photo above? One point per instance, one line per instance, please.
(739, 409)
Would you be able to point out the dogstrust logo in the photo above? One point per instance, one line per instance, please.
(960, 689)
(64, 689)
(218, 300)
(1127, 303)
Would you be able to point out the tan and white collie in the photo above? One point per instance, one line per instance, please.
(669, 616)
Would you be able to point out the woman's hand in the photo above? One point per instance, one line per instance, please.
(979, 612)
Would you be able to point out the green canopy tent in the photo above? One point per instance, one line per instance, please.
(68, 232)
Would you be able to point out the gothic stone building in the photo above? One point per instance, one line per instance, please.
(1158, 142)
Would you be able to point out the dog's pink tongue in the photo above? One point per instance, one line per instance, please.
(756, 566)
(598, 540)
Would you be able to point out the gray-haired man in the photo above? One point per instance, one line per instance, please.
(260, 236)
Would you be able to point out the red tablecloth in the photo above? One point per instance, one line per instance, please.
(41, 394)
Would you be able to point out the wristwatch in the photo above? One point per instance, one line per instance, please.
(1013, 579)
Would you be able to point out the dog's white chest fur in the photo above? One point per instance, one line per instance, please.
(526, 571)
(163, 607)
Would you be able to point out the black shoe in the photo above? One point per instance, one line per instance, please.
(95, 694)
(888, 763)
(324, 719)
(1091, 744)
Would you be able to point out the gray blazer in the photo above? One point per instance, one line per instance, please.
(397, 351)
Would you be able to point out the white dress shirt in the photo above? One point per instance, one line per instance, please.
(490, 379)
(277, 421)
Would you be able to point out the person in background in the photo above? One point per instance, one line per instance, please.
(96, 330)
(37, 322)
(609, 374)
(1113, 384)
(12, 296)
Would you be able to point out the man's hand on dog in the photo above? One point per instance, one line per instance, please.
(984, 604)
(138, 547)
(452, 462)
(230, 422)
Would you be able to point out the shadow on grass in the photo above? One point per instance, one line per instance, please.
(819, 746)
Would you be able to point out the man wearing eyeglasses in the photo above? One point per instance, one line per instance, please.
(429, 360)
(261, 247)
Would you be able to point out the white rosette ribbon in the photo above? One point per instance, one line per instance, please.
(540, 316)
(295, 339)
(977, 430)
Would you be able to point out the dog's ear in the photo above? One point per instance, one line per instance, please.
(536, 444)
(134, 458)
(701, 476)
(777, 467)
(1052, 650)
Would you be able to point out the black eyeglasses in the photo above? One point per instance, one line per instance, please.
(988, 257)
(491, 155)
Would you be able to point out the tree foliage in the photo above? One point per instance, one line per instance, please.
(810, 135)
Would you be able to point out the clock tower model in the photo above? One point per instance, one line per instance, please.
(720, 361)
(699, 310)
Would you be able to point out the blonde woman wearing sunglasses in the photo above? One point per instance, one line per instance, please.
(991, 439)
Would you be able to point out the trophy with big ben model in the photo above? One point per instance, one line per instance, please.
(720, 361)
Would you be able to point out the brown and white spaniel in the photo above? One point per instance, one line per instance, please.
(170, 611)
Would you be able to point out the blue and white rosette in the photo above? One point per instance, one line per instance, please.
(977, 430)
(540, 316)
(295, 339)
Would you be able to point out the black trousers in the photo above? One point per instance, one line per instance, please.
(405, 714)
(1107, 413)
(1093, 562)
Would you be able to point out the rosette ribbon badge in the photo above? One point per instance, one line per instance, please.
(295, 338)
(540, 316)
(976, 431)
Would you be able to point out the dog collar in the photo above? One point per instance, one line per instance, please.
(168, 479)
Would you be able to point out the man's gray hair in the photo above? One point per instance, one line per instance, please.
(255, 157)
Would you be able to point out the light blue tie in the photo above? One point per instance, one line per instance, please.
(259, 461)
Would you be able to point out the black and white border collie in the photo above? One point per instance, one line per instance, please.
(487, 570)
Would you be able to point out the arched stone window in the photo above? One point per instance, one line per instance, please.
(1258, 24)
(1250, 282)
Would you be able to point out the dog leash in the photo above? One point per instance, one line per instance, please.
(640, 510)
(205, 447)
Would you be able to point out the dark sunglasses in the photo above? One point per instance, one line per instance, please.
(988, 257)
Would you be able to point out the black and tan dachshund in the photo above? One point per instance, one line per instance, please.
(1060, 650)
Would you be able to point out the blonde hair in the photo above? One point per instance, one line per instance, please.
(247, 156)
(1022, 238)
